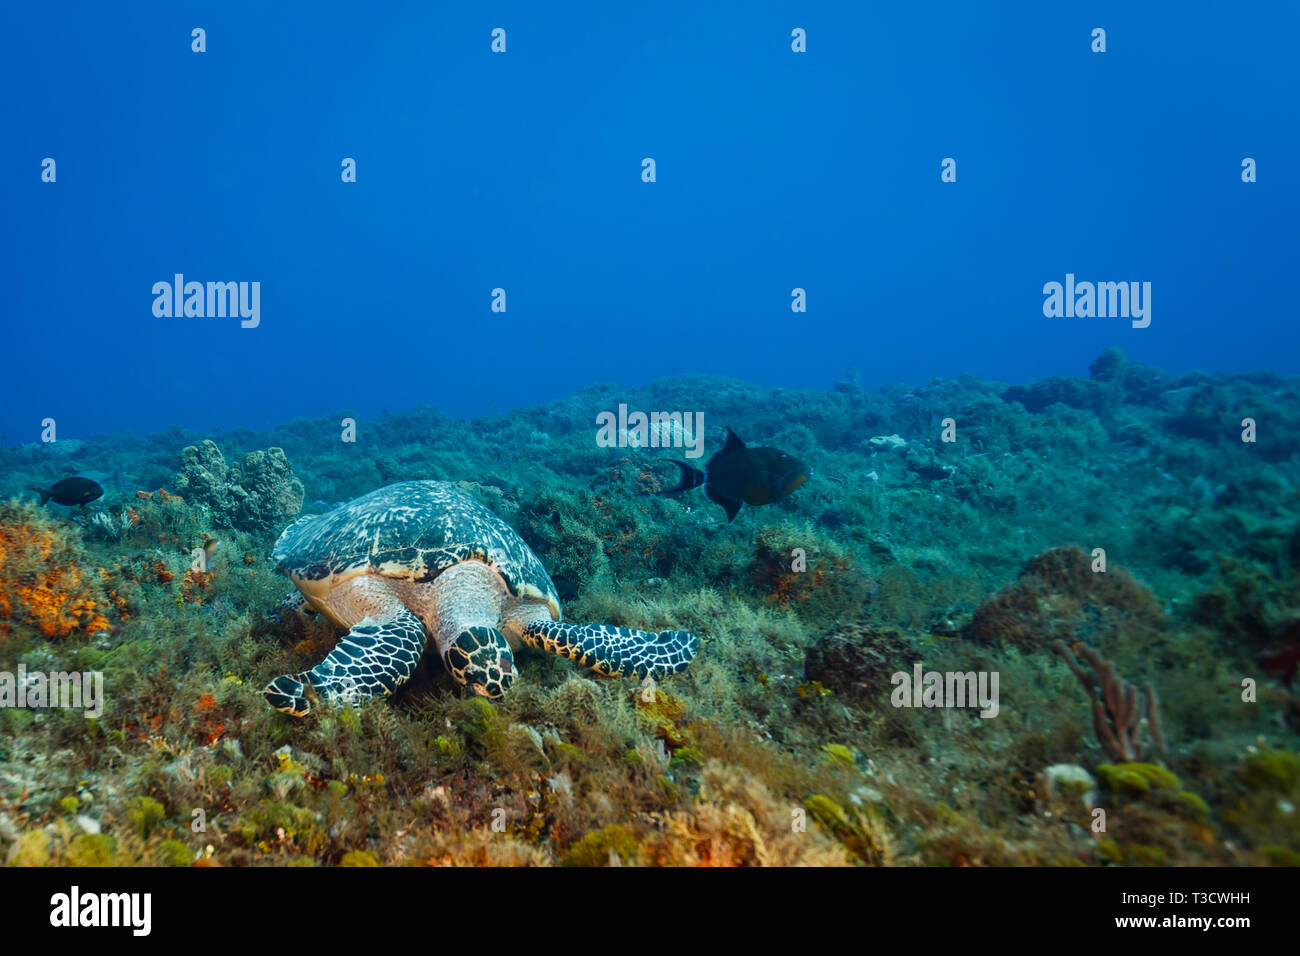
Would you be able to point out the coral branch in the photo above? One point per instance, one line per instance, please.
(1119, 712)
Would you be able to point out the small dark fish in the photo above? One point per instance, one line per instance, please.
(492, 481)
(71, 492)
(739, 475)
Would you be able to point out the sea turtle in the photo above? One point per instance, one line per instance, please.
(420, 558)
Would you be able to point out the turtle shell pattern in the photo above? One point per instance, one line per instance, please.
(411, 531)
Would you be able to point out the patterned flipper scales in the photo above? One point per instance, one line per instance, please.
(294, 606)
(614, 651)
(372, 660)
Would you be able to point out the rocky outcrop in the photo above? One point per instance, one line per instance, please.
(260, 496)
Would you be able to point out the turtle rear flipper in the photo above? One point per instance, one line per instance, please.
(373, 659)
(613, 651)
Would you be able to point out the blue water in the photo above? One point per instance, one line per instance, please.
(522, 170)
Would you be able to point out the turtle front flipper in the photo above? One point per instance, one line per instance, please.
(612, 651)
(373, 659)
(294, 607)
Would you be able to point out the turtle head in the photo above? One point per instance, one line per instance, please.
(481, 659)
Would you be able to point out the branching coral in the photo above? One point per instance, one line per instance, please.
(1118, 708)
(114, 527)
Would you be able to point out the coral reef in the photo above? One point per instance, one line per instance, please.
(780, 744)
(258, 497)
(856, 661)
(1060, 596)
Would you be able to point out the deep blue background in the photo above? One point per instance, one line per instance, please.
(522, 170)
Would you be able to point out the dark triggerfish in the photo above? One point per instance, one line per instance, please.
(71, 491)
(736, 475)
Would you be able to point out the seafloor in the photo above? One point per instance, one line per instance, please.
(1147, 713)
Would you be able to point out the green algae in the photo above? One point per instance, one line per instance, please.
(614, 845)
(1280, 856)
(860, 832)
(175, 853)
(145, 814)
(275, 822)
(1192, 805)
(1136, 779)
(359, 858)
(1277, 771)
